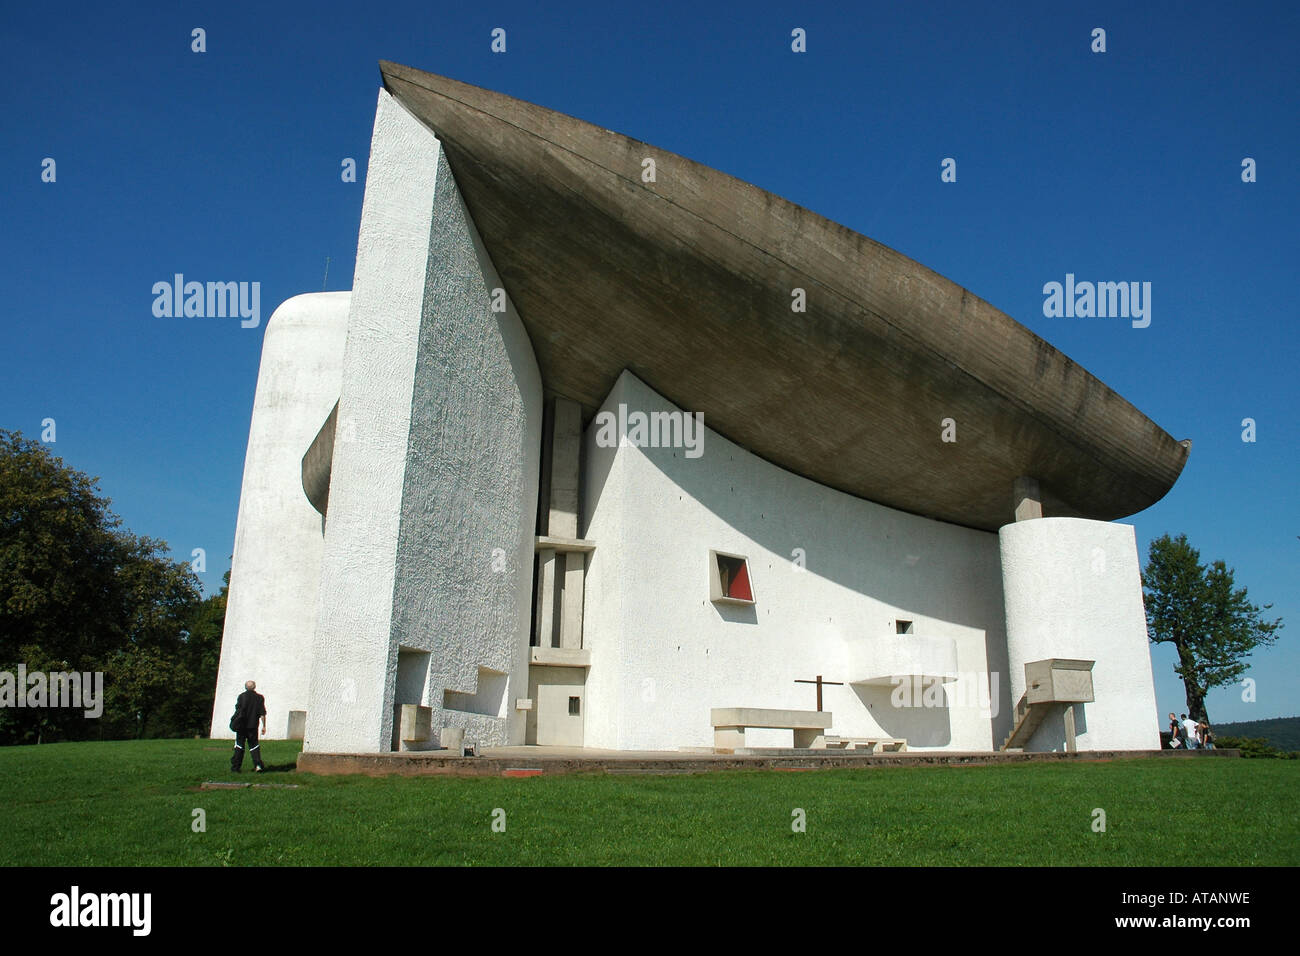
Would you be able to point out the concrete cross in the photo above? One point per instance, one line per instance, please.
(819, 682)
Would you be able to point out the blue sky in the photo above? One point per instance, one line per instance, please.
(1123, 165)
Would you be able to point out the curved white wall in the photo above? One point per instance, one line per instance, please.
(882, 661)
(663, 654)
(1074, 590)
(275, 571)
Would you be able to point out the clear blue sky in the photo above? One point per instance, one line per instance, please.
(1117, 166)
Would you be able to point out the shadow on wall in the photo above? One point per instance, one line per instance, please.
(737, 613)
(919, 725)
(1051, 733)
(888, 564)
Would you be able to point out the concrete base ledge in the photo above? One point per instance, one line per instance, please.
(567, 761)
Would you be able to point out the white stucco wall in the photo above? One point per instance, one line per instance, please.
(1074, 590)
(435, 461)
(663, 654)
(275, 568)
(469, 510)
(350, 651)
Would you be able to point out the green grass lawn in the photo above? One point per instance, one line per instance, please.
(132, 803)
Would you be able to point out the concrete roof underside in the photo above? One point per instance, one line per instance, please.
(687, 282)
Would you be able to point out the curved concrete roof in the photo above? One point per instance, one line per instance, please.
(687, 282)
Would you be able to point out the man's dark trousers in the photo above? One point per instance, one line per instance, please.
(246, 739)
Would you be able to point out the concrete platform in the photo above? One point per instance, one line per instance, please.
(510, 761)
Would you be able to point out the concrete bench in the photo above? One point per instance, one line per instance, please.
(729, 724)
(874, 744)
(415, 725)
(452, 739)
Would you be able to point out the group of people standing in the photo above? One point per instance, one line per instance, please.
(1189, 733)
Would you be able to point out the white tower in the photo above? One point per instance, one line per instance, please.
(275, 573)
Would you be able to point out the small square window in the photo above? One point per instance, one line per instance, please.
(904, 627)
(575, 706)
(729, 581)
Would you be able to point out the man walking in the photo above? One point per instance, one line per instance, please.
(1193, 739)
(250, 706)
(1175, 733)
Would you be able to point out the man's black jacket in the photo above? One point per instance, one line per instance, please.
(248, 709)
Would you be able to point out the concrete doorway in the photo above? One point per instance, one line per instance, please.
(559, 706)
(560, 709)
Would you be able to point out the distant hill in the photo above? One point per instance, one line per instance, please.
(1280, 732)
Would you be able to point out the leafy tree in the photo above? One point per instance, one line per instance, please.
(1209, 621)
(190, 714)
(77, 592)
(39, 724)
(144, 680)
(59, 554)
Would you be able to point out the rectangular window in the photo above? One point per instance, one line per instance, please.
(575, 706)
(729, 578)
(904, 627)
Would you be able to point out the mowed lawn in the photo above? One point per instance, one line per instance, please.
(133, 803)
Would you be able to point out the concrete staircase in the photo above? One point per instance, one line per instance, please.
(1028, 718)
(1051, 683)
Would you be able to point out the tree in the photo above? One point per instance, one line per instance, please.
(77, 592)
(1210, 622)
(190, 713)
(144, 680)
(59, 554)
